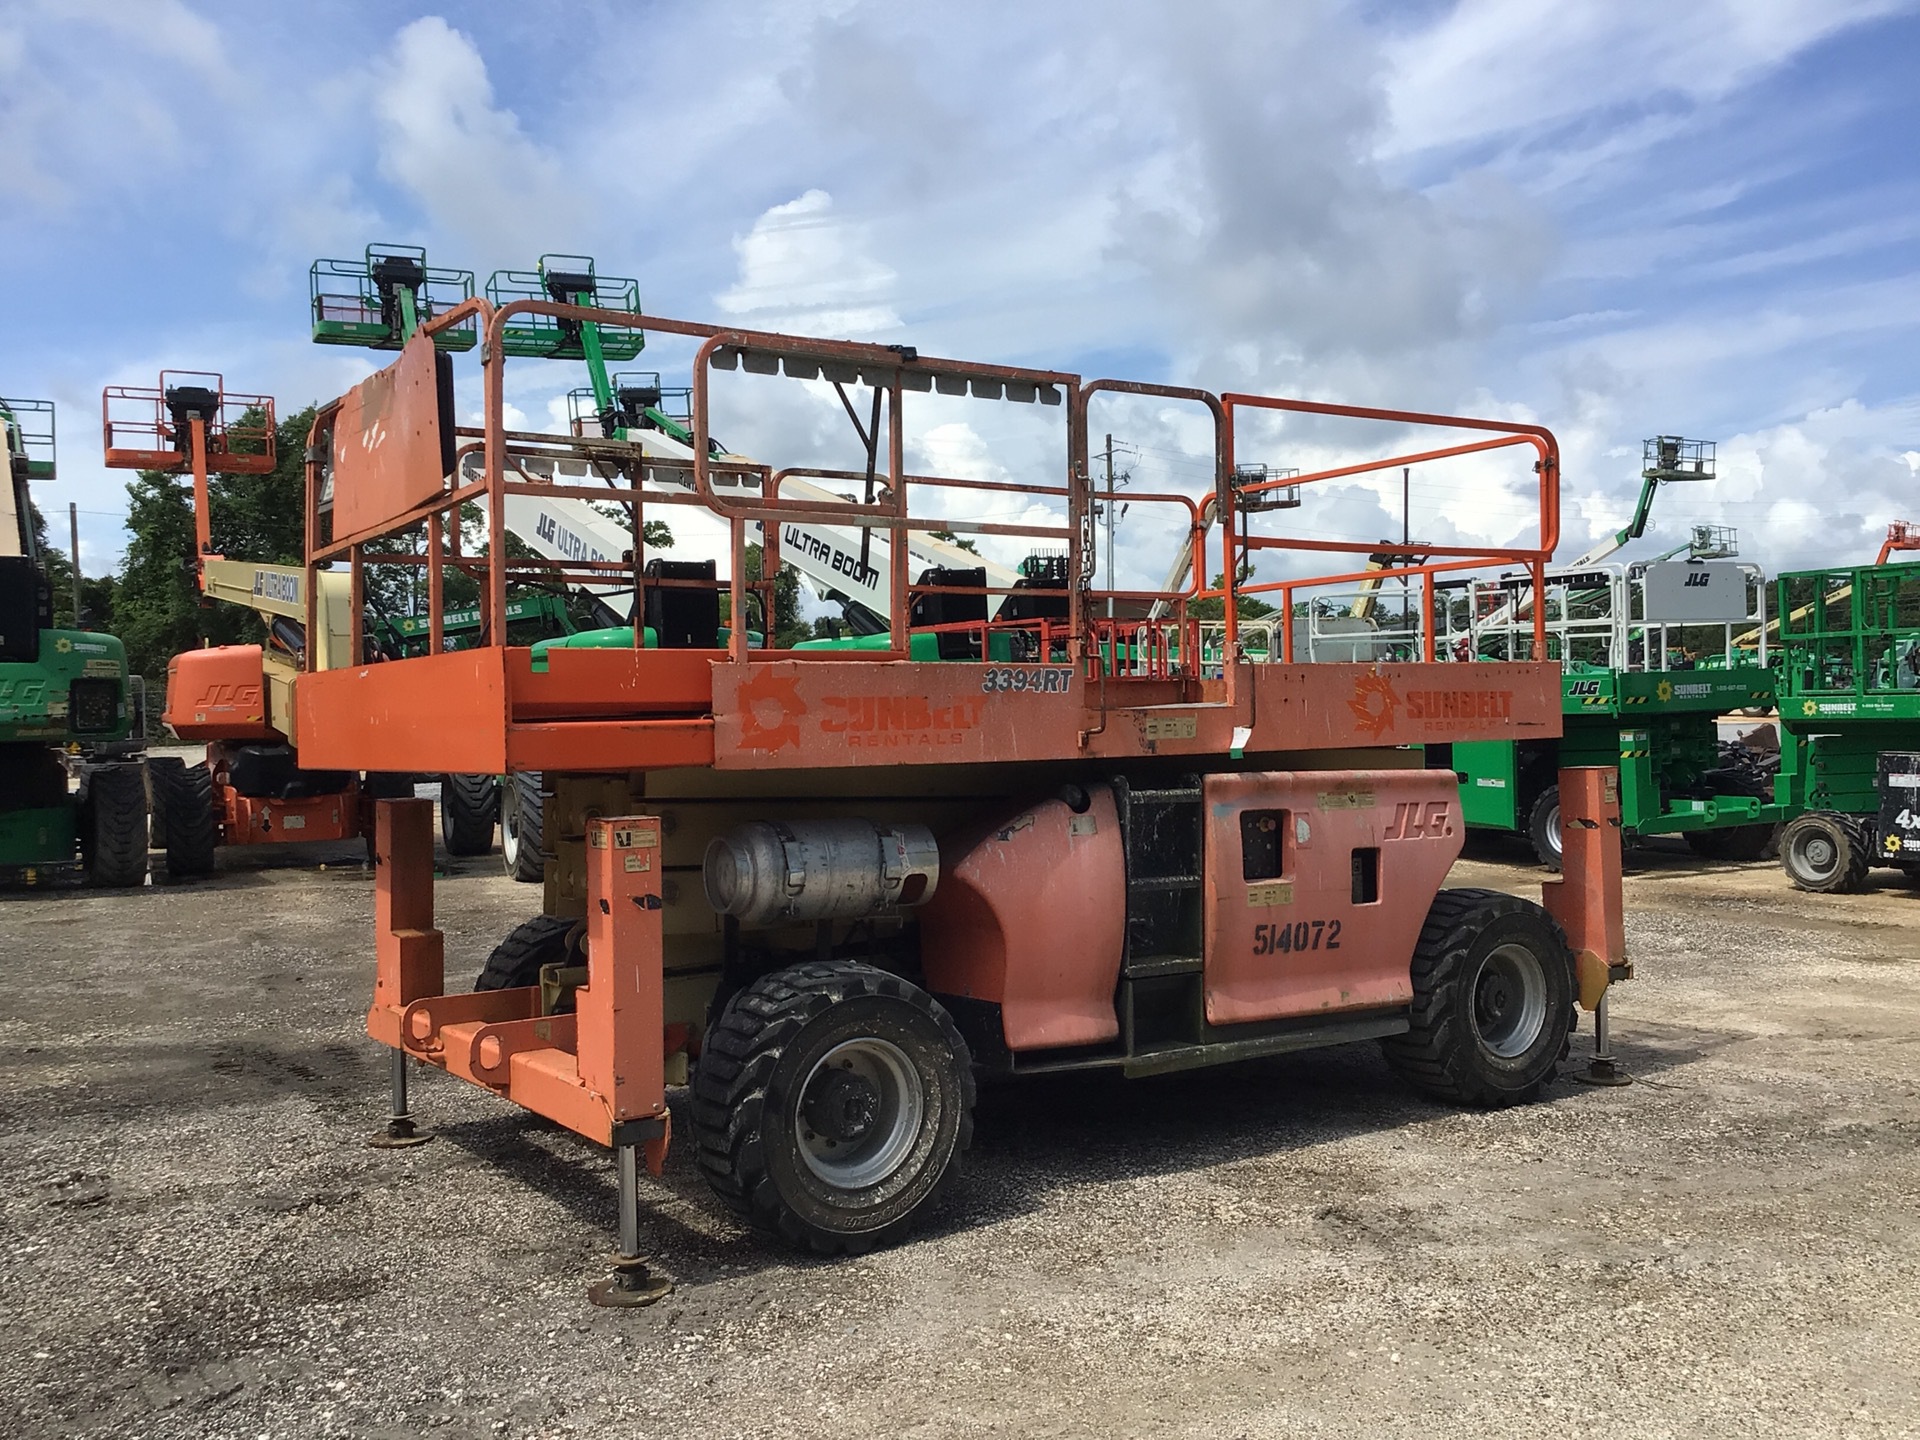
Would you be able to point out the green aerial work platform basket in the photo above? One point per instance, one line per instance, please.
(567, 280)
(640, 402)
(32, 432)
(377, 301)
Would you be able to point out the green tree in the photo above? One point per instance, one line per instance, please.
(99, 602)
(158, 611)
(97, 592)
(1250, 607)
(788, 628)
(654, 534)
(263, 517)
(955, 540)
(58, 567)
(158, 605)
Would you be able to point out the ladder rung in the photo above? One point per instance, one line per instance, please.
(1146, 967)
(1162, 882)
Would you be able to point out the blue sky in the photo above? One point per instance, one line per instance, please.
(1613, 217)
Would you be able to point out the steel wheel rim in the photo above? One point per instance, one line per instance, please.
(880, 1073)
(1509, 1001)
(1555, 842)
(1816, 854)
(510, 833)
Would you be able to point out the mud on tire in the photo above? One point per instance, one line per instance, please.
(1493, 997)
(832, 1105)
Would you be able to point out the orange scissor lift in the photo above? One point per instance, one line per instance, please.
(830, 887)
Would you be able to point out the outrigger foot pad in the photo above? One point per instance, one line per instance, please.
(400, 1134)
(632, 1284)
(1603, 1072)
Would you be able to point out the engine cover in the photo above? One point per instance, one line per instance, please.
(219, 694)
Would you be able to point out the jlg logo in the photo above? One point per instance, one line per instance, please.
(218, 696)
(1414, 820)
(1698, 580)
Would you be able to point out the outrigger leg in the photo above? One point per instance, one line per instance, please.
(633, 1282)
(400, 1132)
(1586, 902)
(1603, 1070)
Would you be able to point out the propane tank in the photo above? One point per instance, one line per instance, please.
(772, 872)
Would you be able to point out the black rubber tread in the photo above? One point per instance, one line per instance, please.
(114, 826)
(740, 1078)
(468, 804)
(1866, 835)
(1439, 1054)
(183, 815)
(160, 769)
(1545, 805)
(522, 806)
(515, 962)
(1849, 833)
(1737, 843)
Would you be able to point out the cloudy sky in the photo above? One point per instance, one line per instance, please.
(1615, 217)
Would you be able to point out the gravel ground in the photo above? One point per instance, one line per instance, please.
(199, 1243)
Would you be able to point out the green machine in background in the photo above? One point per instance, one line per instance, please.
(1654, 653)
(405, 635)
(1849, 694)
(379, 302)
(68, 707)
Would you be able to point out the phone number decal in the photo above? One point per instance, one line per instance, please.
(1027, 680)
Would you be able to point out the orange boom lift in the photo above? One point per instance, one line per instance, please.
(238, 699)
(831, 886)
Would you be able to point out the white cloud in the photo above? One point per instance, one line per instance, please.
(1491, 68)
(805, 269)
(1260, 217)
(470, 166)
(1579, 212)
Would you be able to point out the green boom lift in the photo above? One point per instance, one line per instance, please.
(1652, 657)
(68, 706)
(379, 302)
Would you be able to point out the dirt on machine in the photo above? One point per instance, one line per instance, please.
(833, 889)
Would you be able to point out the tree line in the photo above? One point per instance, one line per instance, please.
(153, 604)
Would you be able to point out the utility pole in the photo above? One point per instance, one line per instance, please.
(73, 532)
(1406, 539)
(1112, 483)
